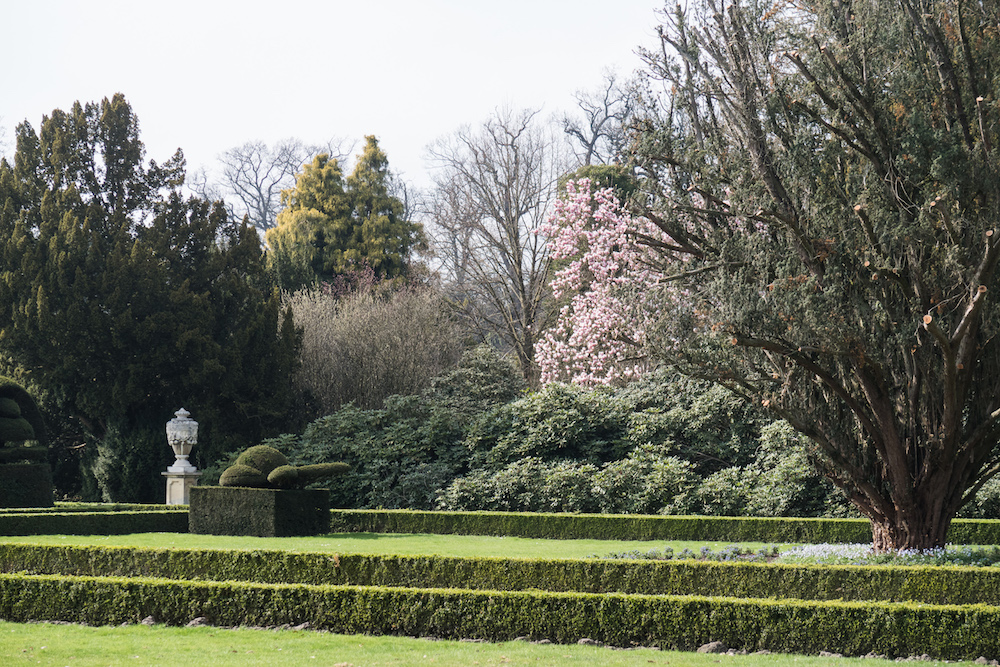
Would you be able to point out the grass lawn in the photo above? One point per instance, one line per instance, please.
(373, 543)
(78, 646)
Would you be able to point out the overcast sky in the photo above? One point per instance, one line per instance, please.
(208, 75)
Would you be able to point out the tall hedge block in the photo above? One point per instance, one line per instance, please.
(218, 510)
(26, 485)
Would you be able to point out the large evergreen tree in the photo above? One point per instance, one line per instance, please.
(123, 301)
(332, 226)
(827, 176)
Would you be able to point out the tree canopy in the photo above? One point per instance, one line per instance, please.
(331, 225)
(825, 180)
(122, 300)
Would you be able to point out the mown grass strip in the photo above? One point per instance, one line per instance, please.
(88, 646)
(371, 543)
(675, 622)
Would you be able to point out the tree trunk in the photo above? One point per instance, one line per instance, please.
(910, 532)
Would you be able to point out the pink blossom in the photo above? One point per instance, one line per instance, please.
(612, 293)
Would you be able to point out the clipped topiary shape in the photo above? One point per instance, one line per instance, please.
(317, 471)
(264, 467)
(296, 477)
(241, 475)
(20, 419)
(25, 476)
(284, 477)
(262, 458)
(9, 409)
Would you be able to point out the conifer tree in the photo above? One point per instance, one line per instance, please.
(123, 301)
(826, 179)
(332, 226)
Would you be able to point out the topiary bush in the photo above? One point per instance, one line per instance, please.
(263, 467)
(25, 475)
(20, 419)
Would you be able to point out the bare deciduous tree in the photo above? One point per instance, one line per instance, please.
(492, 190)
(600, 135)
(255, 174)
(369, 344)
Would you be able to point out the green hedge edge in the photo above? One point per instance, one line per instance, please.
(637, 527)
(926, 584)
(94, 523)
(949, 632)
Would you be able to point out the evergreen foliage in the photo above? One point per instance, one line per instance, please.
(122, 300)
(20, 419)
(827, 178)
(264, 467)
(475, 441)
(331, 225)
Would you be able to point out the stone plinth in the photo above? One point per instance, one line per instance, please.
(179, 486)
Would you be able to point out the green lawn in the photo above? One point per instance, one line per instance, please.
(377, 543)
(79, 646)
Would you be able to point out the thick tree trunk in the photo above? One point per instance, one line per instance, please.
(906, 532)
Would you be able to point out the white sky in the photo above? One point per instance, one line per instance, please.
(208, 75)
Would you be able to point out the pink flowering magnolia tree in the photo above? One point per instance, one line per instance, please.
(610, 286)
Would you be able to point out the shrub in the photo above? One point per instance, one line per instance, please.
(526, 485)
(399, 455)
(482, 379)
(779, 481)
(127, 464)
(986, 503)
(364, 346)
(557, 422)
(644, 483)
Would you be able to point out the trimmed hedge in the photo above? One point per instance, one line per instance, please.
(94, 523)
(637, 527)
(622, 620)
(25, 484)
(927, 584)
(222, 510)
(62, 506)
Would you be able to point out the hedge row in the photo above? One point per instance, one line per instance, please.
(94, 523)
(927, 584)
(621, 620)
(637, 527)
(114, 519)
(63, 507)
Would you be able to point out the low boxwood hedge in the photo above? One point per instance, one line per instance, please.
(677, 622)
(94, 523)
(637, 527)
(928, 584)
(63, 506)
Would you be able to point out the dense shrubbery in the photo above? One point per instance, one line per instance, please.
(663, 445)
(401, 454)
(475, 441)
(363, 342)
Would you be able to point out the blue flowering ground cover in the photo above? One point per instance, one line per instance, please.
(827, 554)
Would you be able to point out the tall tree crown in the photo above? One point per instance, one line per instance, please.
(331, 225)
(827, 176)
(120, 298)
